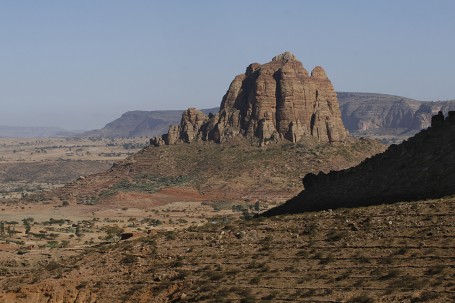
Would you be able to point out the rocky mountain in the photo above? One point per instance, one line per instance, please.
(33, 132)
(380, 115)
(422, 117)
(422, 167)
(365, 111)
(269, 102)
(141, 123)
(363, 114)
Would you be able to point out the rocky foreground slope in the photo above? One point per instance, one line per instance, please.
(421, 168)
(270, 102)
(382, 254)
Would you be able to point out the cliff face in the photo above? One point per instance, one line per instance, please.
(422, 167)
(368, 114)
(422, 117)
(364, 111)
(274, 101)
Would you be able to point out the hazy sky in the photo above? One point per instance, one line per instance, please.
(80, 64)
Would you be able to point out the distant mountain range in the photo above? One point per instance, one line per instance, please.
(364, 114)
(387, 116)
(380, 116)
(33, 132)
(141, 123)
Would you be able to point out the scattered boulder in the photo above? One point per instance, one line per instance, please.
(437, 120)
(126, 236)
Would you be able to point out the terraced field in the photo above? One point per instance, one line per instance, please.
(390, 253)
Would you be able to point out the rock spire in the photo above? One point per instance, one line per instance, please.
(275, 101)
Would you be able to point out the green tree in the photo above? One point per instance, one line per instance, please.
(113, 232)
(78, 231)
(257, 206)
(27, 224)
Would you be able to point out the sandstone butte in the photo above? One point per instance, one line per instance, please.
(271, 102)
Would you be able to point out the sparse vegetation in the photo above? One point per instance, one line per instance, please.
(245, 260)
(362, 298)
(113, 232)
(143, 183)
(336, 235)
(187, 252)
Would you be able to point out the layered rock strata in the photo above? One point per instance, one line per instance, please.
(273, 101)
(380, 115)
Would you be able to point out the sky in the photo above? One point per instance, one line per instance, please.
(81, 64)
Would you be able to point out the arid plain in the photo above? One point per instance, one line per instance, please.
(213, 210)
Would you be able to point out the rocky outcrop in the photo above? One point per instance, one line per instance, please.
(363, 114)
(418, 169)
(140, 123)
(188, 130)
(422, 117)
(273, 101)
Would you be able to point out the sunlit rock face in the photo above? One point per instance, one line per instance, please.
(275, 101)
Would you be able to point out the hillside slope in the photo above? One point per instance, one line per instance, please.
(422, 167)
(232, 170)
(383, 254)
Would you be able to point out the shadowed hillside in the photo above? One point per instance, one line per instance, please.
(421, 168)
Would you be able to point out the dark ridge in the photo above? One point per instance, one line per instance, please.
(423, 167)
